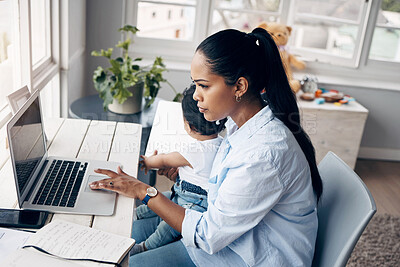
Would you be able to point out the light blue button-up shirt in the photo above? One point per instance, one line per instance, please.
(261, 205)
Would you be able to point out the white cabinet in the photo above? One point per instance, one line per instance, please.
(334, 128)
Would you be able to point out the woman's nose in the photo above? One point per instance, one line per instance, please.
(196, 95)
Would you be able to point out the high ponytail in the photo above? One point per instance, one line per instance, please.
(233, 54)
(282, 102)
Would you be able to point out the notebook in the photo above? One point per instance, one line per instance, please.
(62, 243)
(55, 184)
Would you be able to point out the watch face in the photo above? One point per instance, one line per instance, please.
(152, 191)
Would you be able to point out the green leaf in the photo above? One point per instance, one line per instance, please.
(125, 44)
(103, 53)
(122, 94)
(149, 102)
(178, 97)
(102, 82)
(129, 28)
(115, 66)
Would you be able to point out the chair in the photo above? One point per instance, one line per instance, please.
(344, 210)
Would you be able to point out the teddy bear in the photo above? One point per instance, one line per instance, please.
(281, 33)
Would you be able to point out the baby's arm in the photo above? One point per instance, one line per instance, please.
(161, 161)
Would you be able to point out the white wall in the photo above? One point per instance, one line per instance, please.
(73, 44)
(103, 19)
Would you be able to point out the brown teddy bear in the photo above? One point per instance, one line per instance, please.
(281, 33)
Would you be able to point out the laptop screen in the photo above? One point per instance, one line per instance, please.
(27, 144)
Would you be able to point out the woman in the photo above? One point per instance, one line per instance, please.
(264, 184)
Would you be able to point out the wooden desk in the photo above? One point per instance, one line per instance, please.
(334, 128)
(91, 107)
(88, 139)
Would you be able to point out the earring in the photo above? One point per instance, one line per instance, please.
(238, 98)
(217, 122)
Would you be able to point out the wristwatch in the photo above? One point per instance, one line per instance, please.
(151, 192)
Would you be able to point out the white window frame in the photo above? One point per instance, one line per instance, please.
(358, 71)
(311, 54)
(38, 76)
(145, 47)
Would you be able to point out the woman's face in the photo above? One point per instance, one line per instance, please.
(216, 100)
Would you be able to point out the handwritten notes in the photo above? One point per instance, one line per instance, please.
(69, 240)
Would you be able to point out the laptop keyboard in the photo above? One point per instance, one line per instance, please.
(61, 185)
(24, 170)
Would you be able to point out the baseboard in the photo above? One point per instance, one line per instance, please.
(379, 153)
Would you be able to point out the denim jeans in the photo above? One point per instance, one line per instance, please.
(165, 234)
(170, 255)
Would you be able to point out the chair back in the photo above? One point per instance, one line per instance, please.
(344, 210)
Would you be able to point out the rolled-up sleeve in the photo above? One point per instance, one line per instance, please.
(245, 195)
(189, 225)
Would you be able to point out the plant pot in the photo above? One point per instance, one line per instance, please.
(132, 105)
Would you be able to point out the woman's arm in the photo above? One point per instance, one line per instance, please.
(245, 196)
(129, 186)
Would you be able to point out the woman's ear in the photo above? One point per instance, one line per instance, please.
(242, 85)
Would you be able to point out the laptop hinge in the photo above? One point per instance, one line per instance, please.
(36, 180)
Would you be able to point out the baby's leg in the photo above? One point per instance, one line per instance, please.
(164, 234)
(144, 212)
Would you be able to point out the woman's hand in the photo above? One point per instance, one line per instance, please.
(170, 173)
(121, 183)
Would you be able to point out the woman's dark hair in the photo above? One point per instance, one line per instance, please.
(233, 54)
(195, 118)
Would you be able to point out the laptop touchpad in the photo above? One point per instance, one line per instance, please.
(93, 178)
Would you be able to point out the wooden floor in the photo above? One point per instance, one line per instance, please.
(383, 180)
(381, 177)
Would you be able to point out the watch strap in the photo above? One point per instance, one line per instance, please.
(146, 199)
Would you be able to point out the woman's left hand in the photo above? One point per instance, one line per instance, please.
(121, 183)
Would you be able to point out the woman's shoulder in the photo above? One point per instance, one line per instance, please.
(274, 143)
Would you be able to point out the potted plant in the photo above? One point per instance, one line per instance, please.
(121, 85)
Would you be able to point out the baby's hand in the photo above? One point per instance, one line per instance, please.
(144, 162)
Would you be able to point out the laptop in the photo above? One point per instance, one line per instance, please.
(55, 184)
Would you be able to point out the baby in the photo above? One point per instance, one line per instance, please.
(191, 186)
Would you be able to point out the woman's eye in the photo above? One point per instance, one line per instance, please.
(203, 86)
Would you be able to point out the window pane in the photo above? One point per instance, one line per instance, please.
(329, 39)
(184, 2)
(39, 32)
(165, 21)
(340, 9)
(6, 48)
(260, 5)
(238, 20)
(386, 40)
(49, 98)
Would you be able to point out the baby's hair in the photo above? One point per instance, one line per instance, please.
(195, 118)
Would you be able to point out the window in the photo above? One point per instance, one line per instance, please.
(243, 15)
(7, 47)
(329, 31)
(338, 39)
(40, 32)
(385, 44)
(28, 50)
(167, 26)
(162, 20)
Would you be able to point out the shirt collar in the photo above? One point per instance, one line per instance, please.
(250, 127)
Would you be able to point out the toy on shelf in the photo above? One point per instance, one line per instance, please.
(319, 101)
(309, 84)
(281, 33)
(307, 96)
(332, 96)
(321, 96)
